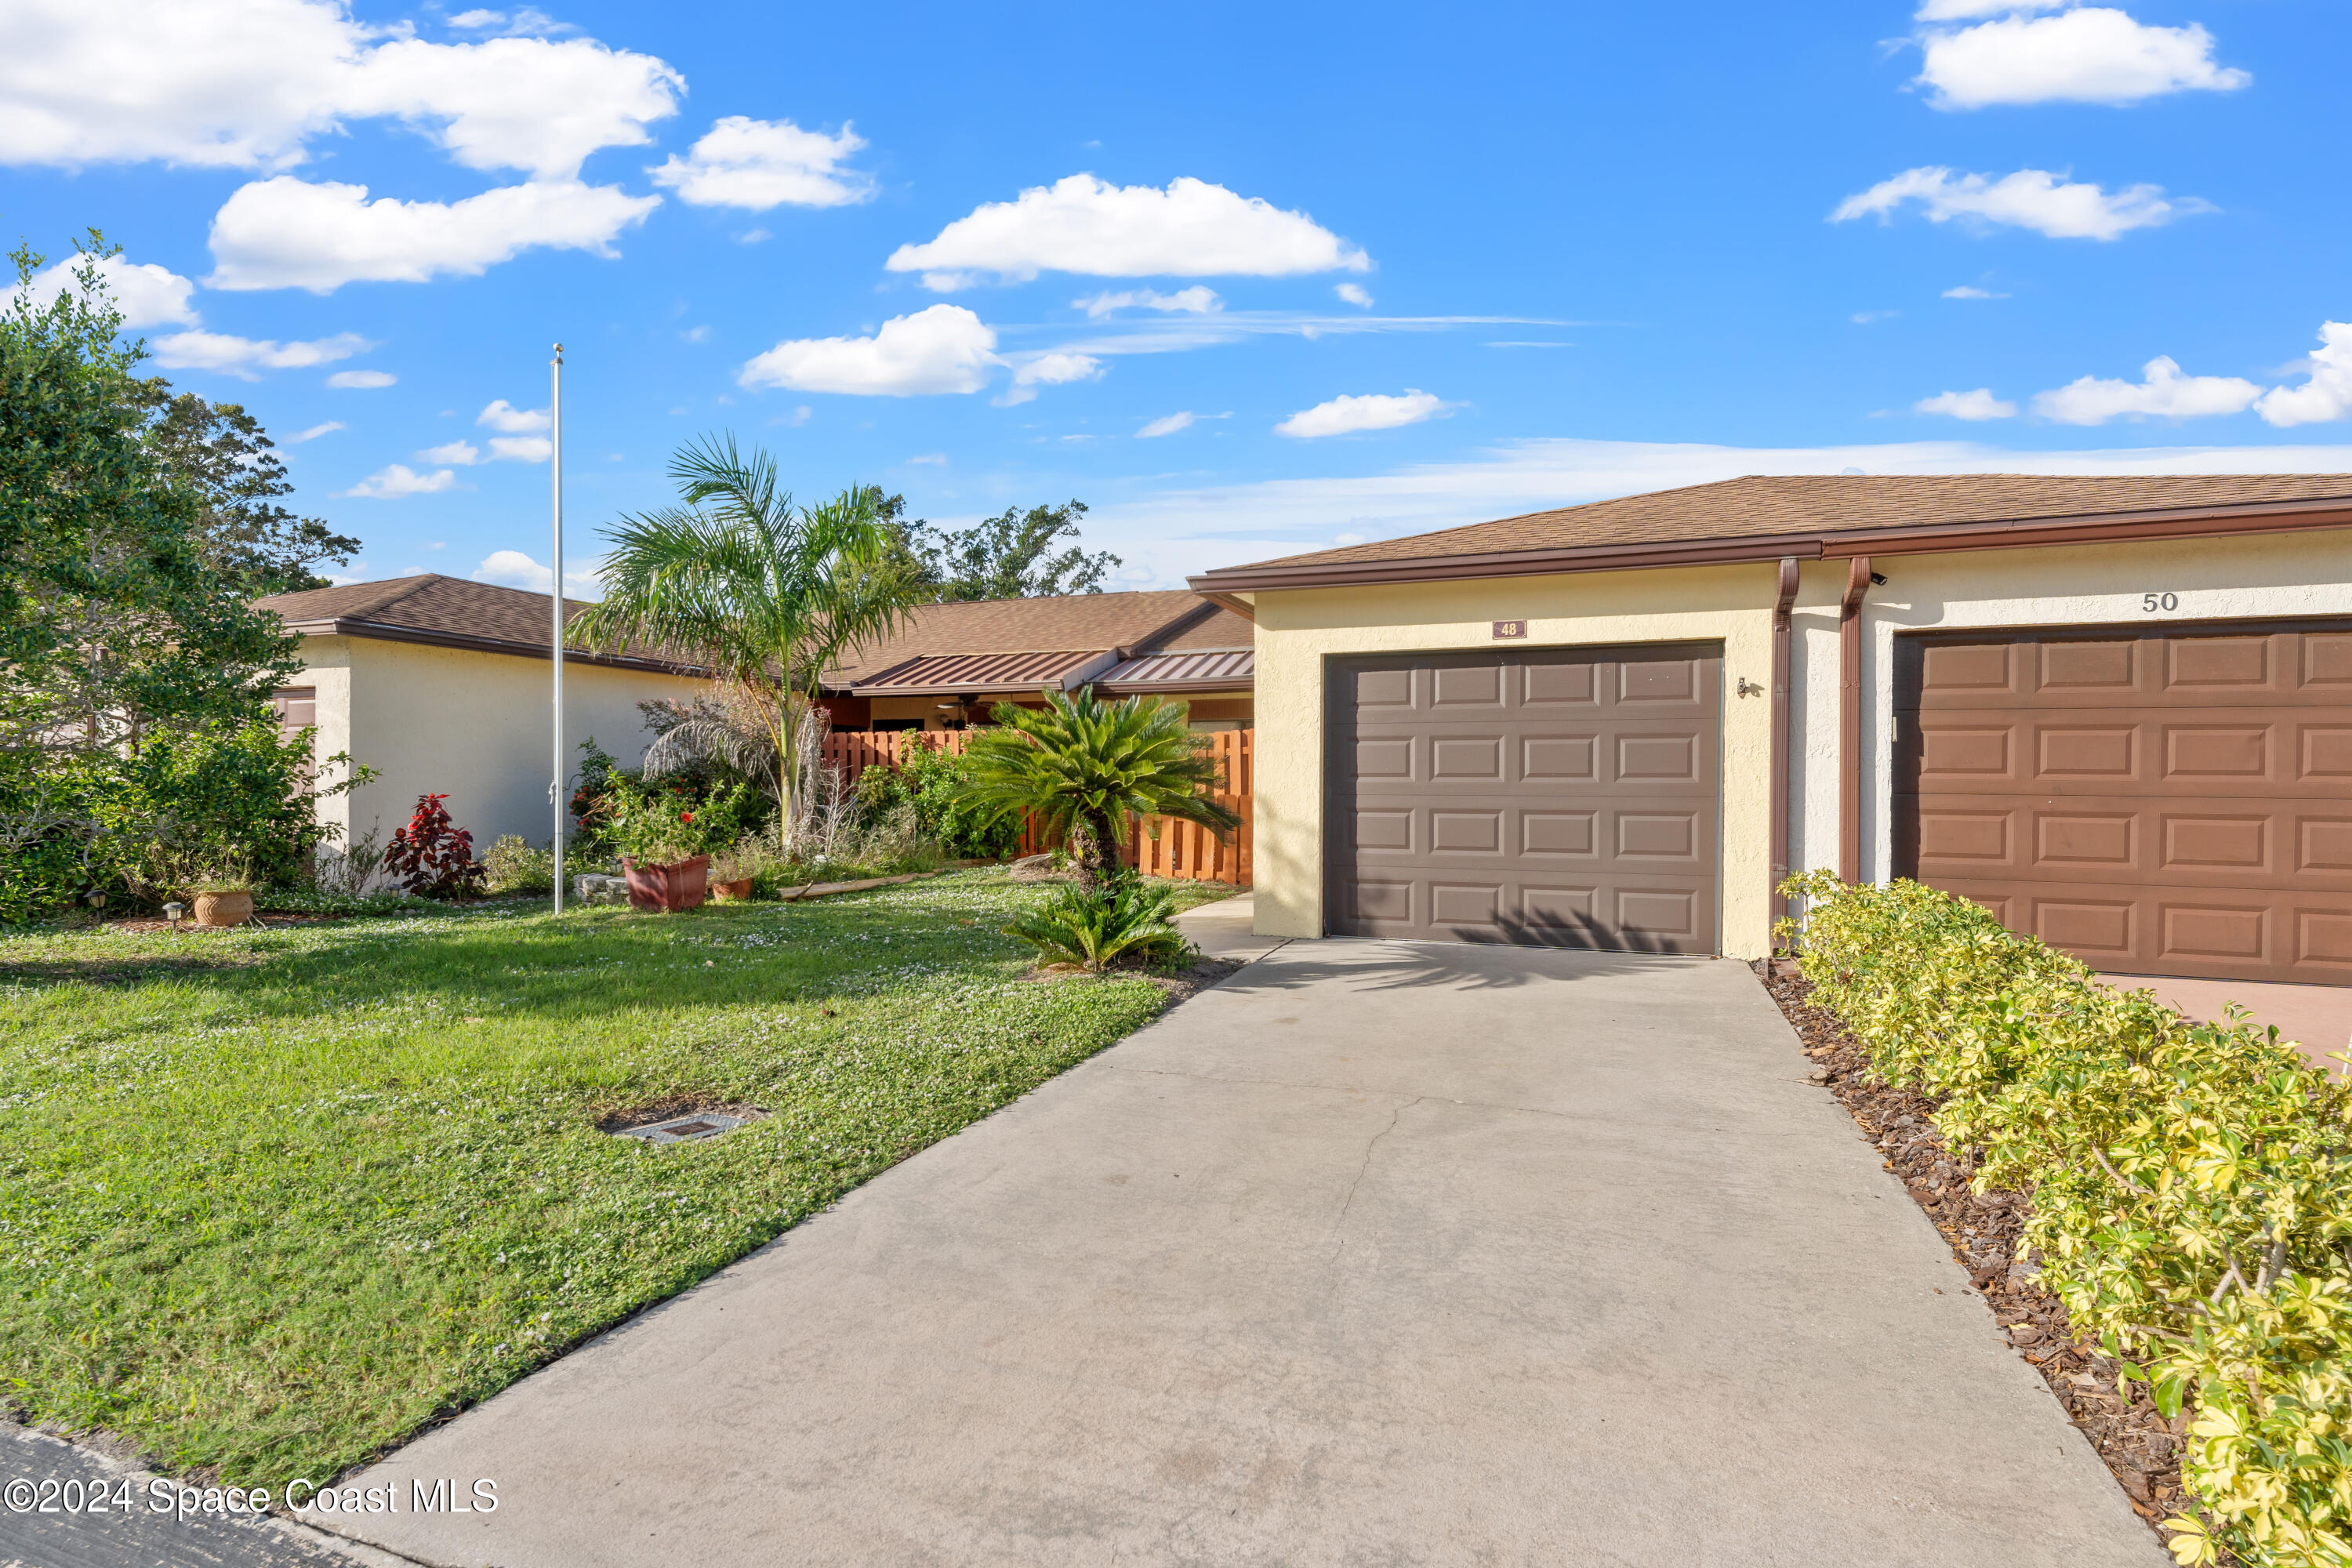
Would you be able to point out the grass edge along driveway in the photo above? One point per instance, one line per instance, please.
(270, 1200)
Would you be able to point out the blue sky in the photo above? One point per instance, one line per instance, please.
(1248, 280)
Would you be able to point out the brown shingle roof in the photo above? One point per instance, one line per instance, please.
(449, 611)
(1223, 630)
(1118, 623)
(1763, 506)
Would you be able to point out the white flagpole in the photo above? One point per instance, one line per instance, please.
(555, 793)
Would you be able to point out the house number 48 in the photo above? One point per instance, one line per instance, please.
(2152, 603)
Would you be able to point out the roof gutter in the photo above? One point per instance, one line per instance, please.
(2109, 528)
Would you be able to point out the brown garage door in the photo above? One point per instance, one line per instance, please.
(1562, 796)
(2155, 802)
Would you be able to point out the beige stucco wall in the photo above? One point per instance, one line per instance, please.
(1298, 631)
(2288, 574)
(473, 726)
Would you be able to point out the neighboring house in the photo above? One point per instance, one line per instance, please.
(2117, 712)
(442, 686)
(948, 664)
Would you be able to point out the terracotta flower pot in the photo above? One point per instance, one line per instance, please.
(678, 886)
(224, 909)
(740, 888)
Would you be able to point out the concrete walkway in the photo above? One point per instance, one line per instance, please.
(1377, 1253)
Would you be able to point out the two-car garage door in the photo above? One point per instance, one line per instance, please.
(1560, 796)
(2171, 801)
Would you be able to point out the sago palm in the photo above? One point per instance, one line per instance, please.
(739, 578)
(1084, 769)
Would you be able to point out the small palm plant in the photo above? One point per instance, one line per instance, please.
(1084, 769)
(1125, 919)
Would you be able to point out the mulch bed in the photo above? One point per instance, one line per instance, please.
(2139, 1445)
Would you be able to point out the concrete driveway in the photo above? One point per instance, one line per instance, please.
(1378, 1253)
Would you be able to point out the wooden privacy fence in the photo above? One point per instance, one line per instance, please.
(1159, 847)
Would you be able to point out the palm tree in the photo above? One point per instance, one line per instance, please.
(769, 595)
(1083, 769)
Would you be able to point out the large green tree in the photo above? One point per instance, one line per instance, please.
(111, 620)
(737, 577)
(221, 454)
(1018, 555)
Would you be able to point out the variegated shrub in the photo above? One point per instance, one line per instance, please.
(2191, 1190)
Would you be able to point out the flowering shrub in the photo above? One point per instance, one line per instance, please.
(2192, 1187)
(433, 856)
(657, 827)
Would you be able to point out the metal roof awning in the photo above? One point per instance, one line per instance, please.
(1187, 669)
(973, 674)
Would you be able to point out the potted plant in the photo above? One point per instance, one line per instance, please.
(733, 871)
(665, 843)
(223, 896)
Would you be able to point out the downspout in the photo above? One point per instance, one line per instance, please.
(1857, 582)
(1776, 904)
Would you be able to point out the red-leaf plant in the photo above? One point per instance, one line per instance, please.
(434, 857)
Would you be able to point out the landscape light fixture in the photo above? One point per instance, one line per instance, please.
(172, 911)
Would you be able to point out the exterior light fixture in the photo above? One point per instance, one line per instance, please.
(172, 911)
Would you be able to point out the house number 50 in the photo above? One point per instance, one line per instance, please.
(2152, 603)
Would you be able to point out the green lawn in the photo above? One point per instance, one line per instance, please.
(270, 1200)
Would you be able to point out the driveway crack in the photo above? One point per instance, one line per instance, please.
(1339, 1226)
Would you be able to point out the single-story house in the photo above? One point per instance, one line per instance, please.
(948, 664)
(442, 686)
(2115, 710)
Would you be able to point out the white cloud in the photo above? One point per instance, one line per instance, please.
(362, 380)
(535, 104)
(929, 460)
(2327, 395)
(1082, 224)
(763, 163)
(1970, 291)
(1868, 318)
(1054, 367)
(1200, 299)
(286, 233)
(752, 236)
(513, 569)
(2166, 394)
(1166, 424)
(463, 454)
(522, 448)
(1973, 406)
(2030, 198)
(146, 294)
(943, 349)
(1353, 294)
(312, 434)
(1346, 415)
(242, 357)
(2092, 55)
(475, 21)
(500, 414)
(397, 479)
(1057, 367)
(247, 83)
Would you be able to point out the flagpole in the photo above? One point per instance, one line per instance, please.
(555, 793)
